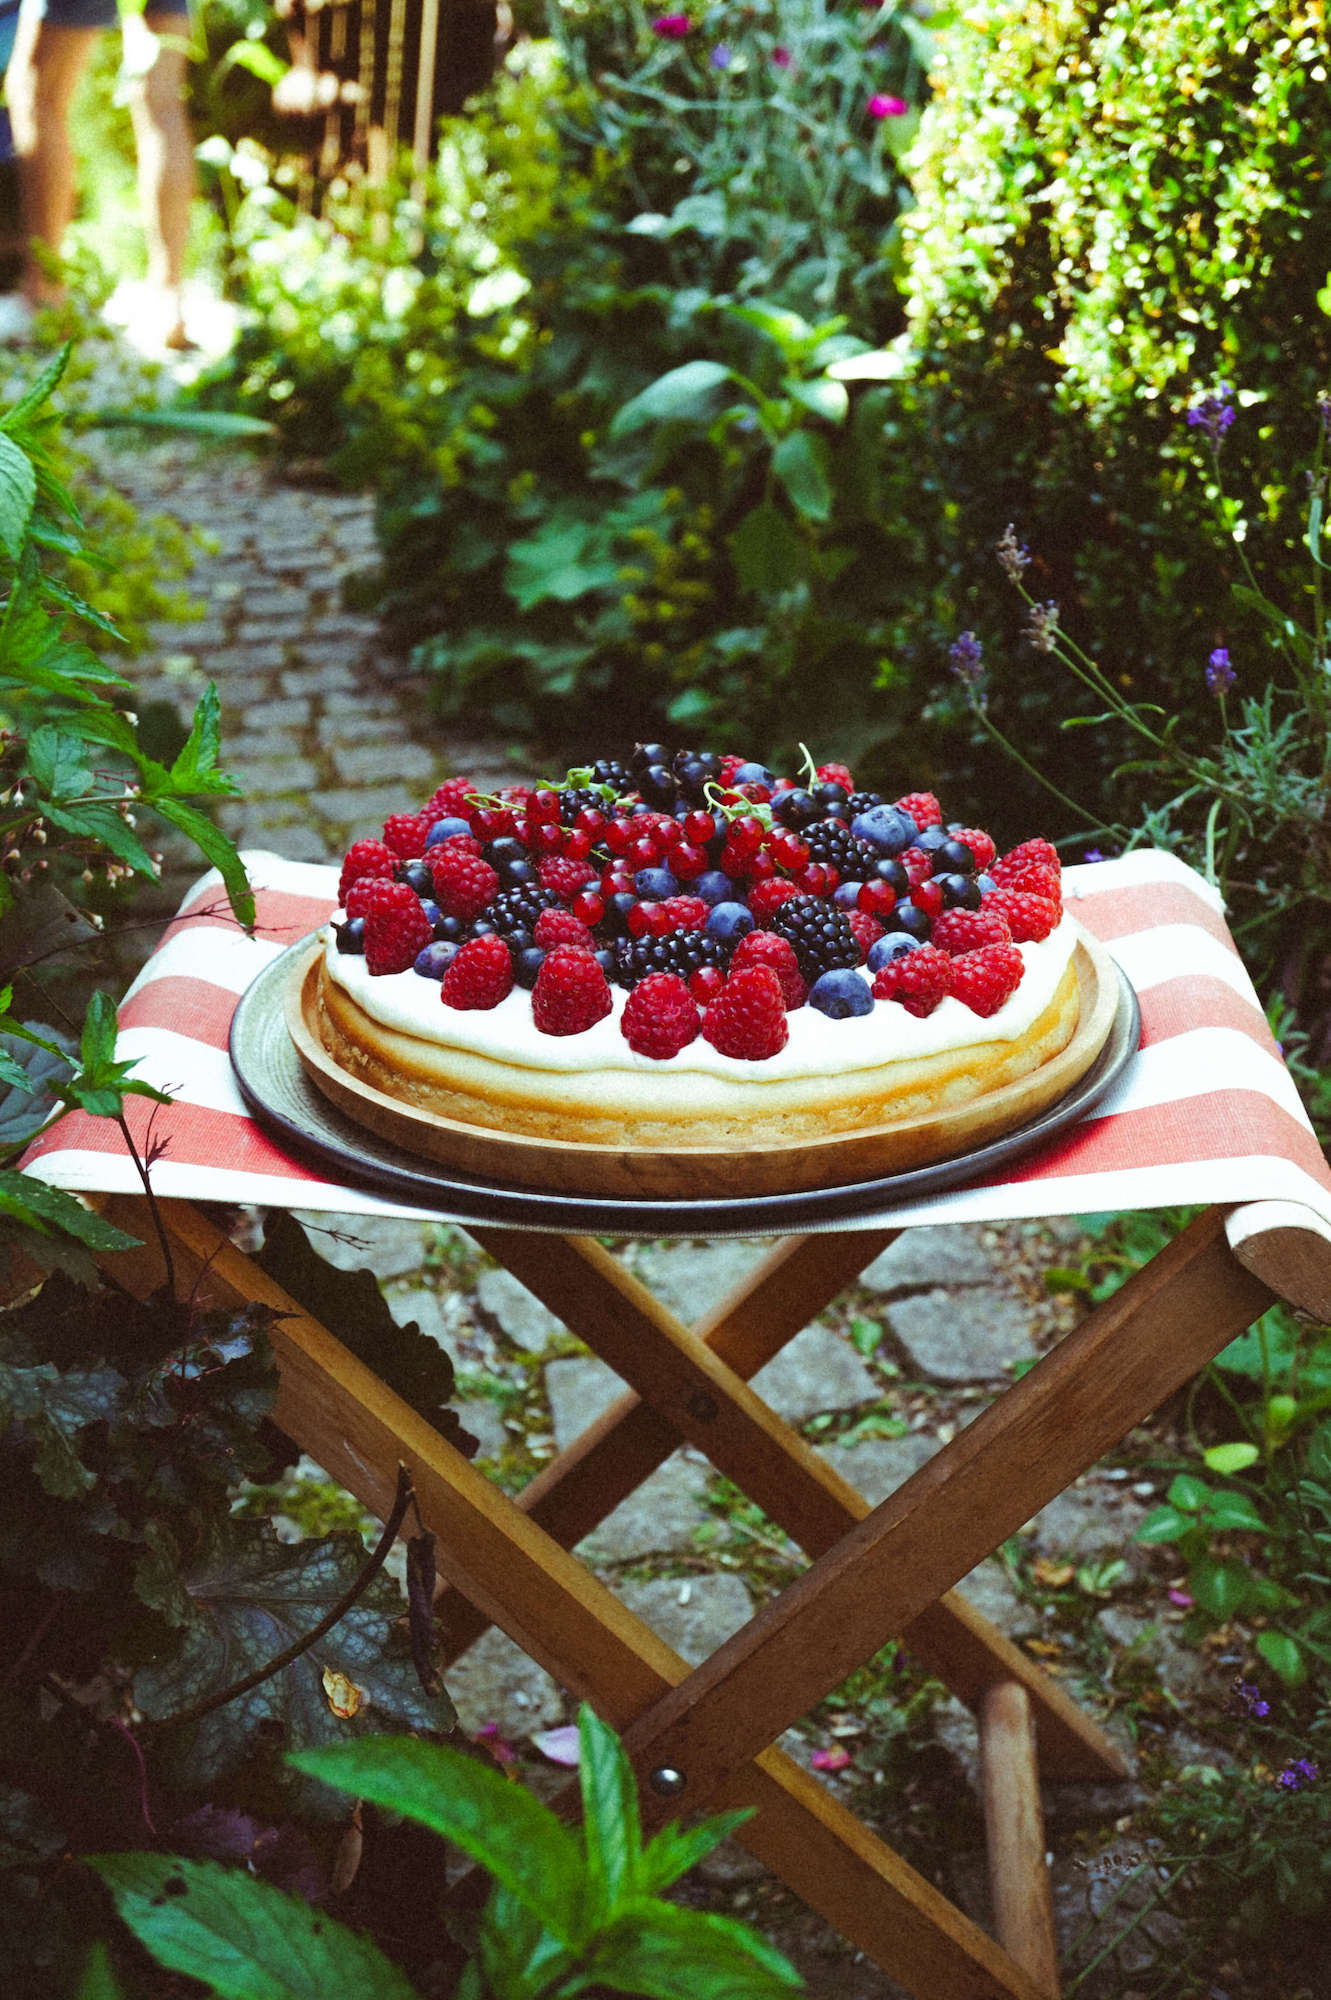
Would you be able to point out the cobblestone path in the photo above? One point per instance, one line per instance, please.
(327, 735)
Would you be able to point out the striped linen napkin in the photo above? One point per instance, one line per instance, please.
(1205, 1112)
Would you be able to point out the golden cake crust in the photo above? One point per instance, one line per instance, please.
(689, 1110)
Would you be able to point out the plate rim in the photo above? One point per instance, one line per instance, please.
(381, 1167)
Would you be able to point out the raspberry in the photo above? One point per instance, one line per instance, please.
(835, 774)
(867, 930)
(561, 927)
(660, 1017)
(979, 843)
(685, 913)
(565, 877)
(451, 800)
(918, 979)
(480, 975)
(923, 808)
(747, 1019)
(958, 930)
(982, 980)
(570, 993)
(394, 933)
(918, 865)
(1035, 853)
(463, 883)
(364, 857)
(405, 834)
(1028, 918)
(766, 948)
(1033, 880)
(360, 897)
(767, 896)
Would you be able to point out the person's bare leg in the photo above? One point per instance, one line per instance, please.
(43, 74)
(155, 58)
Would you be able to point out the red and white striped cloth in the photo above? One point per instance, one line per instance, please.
(1206, 1111)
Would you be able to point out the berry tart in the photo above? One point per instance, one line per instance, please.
(684, 972)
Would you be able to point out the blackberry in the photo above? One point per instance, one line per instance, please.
(516, 909)
(860, 802)
(575, 799)
(832, 842)
(610, 771)
(820, 934)
(681, 952)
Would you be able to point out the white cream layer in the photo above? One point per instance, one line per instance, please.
(817, 1045)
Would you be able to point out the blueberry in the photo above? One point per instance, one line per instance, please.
(832, 798)
(906, 917)
(985, 884)
(846, 895)
(351, 935)
(605, 957)
(617, 912)
(655, 884)
(753, 774)
(432, 910)
(434, 961)
(505, 847)
(931, 838)
(527, 962)
(840, 994)
(891, 946)
(959, 891)
(648, 753)
(658, 786)
(516, 874)
(417, 878)
(885, 828)
(796, 808)
(955, 857)
(444, 829)
(714, 886)
(729, 922)
(450, 930)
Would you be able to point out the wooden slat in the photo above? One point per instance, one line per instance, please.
(340, 1412)
(1146, 1341)
(594, 1296)
(1014, 1825)
(1288, 1246)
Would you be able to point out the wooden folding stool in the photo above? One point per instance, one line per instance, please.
(703, 1738)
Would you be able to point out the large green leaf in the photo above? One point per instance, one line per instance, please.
(516, 1955)
(254, 1596)
(243, 1938)
(662, 1952)
(1220, 1586)
(767, 553)
(216, 848)
(677, 1848)
(32, 1201)
(610, 1824)
(513, 1836)
(42, 389)
(800, 461)
(195, 768)
(687, 391)
(51, 1406)
(18, 491)
(564, 560)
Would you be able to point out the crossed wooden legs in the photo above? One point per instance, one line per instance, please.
(880, 1574)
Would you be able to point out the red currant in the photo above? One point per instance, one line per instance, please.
(699, 827)
(706, 983)
(577, 843)
(879, 899)
(589, 907)
(818, 879)
(687, 861)
(591, 820)
(545, 837)
(745, 835)
(928, 896)
(545, 806)
(762, 866)
(488, 822)
(620, 835)
(644, 853)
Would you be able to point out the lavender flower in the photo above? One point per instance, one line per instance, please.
(1324, 412)
(1296, 1777)
(1247, 1700)
(967, 655)
(1213, 415)
(1013, 557)
(721, 57)
(1220, 676)
(1092, 854)
(1042, 626)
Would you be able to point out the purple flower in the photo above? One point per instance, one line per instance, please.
(1296, 1777)
(721, 57)
(1213, 415)
(1092, 854)
(1013, 557)
(781, 56)
(886, 107)
(1042, 626)
(1220, 676)
(1247, 1699)
(1324, 412)
(967, 655)
(671, 27)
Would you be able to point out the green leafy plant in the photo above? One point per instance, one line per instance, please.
(569, 1913)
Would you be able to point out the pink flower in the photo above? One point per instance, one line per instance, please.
(830, 1760)
(886, 107)
(1181, 1598)
(671, 27)
(781, 56)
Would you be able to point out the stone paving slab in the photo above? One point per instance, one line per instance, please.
(693, 1614)
(973, 1333)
